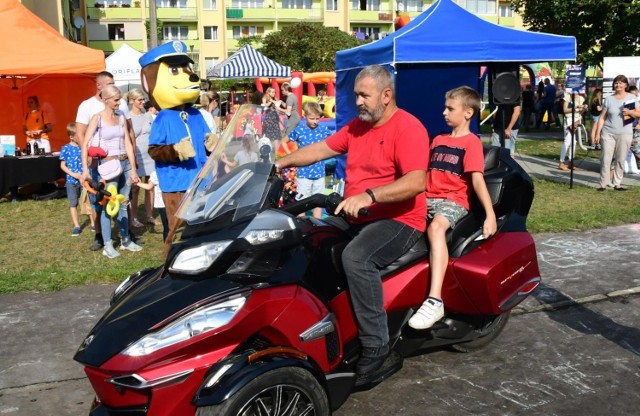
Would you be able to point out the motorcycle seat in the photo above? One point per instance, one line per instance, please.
(457, 238)
(417, 252)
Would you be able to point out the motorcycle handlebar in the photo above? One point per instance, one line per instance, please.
(329, 202)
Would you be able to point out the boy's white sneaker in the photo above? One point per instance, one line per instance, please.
(431, 311)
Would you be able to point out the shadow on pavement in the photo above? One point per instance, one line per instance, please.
(582, 319)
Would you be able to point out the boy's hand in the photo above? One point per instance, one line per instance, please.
(489, 227)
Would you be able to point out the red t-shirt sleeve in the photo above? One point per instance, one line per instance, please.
(339, 142)
(474, 155)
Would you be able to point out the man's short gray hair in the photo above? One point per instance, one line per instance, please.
(381, 75)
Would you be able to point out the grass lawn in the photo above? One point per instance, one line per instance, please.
(37, 252)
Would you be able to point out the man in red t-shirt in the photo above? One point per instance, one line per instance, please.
(388, 153)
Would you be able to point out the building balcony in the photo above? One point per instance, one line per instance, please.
(371, 16)
(173, 13)
(120, 13)
(112, 45)
(252, 14)
(300, 14)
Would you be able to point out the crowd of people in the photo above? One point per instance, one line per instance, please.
(605, 117)
(121, 123)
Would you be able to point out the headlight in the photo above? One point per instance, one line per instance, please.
(257, 237)
(196, 323)
(196, 259)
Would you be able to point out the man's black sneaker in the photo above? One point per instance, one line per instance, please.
(98, 243)
(136, 239)
(371, 359)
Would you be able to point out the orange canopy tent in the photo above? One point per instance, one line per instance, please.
(37, 60)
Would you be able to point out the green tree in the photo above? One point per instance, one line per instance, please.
(253, 41)
(308, 47)
(601, 27)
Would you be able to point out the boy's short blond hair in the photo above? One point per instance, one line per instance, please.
(468, 97)
(312, 108)
(71, 129)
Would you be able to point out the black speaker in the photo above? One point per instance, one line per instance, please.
(505, 84)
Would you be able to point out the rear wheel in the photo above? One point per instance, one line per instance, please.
(492, 327)
(286, 391)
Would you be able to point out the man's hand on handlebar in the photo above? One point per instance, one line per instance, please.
(352, 206)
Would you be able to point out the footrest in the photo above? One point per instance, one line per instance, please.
(391, 365)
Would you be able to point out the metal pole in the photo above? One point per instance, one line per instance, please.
(573, 136)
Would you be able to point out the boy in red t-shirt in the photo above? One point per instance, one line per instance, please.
(456, 169)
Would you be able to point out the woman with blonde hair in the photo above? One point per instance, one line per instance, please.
(269, 97)
(109, 131)
(140, 126)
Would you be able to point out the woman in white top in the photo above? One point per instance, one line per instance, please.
(206, 113)
(140, 123)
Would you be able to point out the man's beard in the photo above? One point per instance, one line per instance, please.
(370, 116)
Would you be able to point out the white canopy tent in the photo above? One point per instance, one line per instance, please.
(123, 64)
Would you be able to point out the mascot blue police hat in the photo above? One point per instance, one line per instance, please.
(175, 51)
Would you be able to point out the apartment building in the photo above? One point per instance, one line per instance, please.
(211, 28)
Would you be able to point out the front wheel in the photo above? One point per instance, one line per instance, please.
(286, 391)
(492, 327)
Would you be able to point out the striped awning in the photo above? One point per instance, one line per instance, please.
(248, 63)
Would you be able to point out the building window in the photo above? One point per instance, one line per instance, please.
(179, 4)
(211, 33)
(365, 5)
(296, 4)
(240, 32)
(210, 63)
(505, 11)
(210, 5)
(332, 5)
(247, 4)
(369, 32)
(175, 33)
(487, 7)
(410, 6)
(116, 32)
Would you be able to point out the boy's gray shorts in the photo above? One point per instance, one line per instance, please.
(448, 209)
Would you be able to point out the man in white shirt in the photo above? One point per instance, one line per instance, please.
(86, 110)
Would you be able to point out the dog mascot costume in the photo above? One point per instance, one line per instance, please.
(179, 134)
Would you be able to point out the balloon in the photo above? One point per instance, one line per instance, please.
(113, 206)
(295, 82)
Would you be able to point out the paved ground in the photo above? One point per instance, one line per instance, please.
(571, 349)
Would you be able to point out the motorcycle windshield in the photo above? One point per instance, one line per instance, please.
(236, 173)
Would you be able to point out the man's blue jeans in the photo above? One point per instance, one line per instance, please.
(375, 246)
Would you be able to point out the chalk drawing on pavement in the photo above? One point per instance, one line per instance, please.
(579, 251)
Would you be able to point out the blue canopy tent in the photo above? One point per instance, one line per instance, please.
(441, 49)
